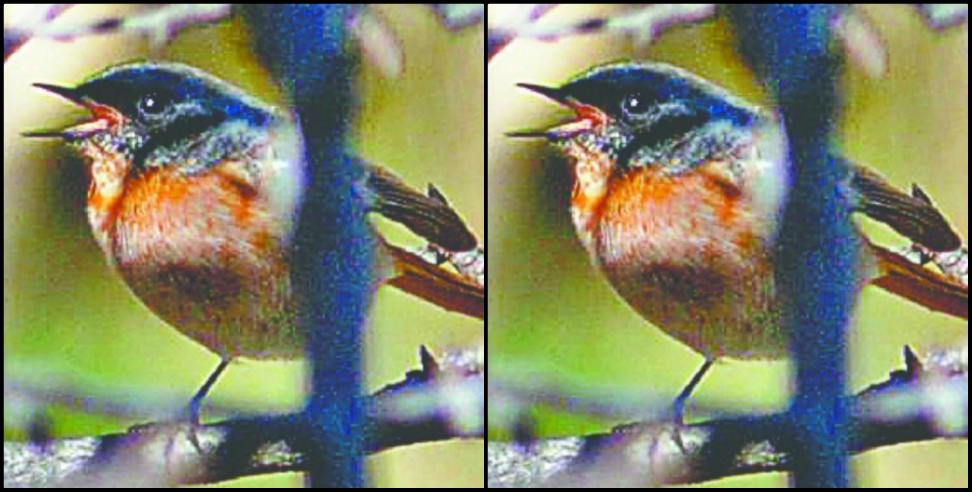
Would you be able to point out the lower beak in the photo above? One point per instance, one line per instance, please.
(529, 134)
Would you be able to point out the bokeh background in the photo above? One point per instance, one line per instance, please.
(555, 320)
(69, 319)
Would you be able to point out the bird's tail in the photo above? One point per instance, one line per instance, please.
(436, 284)
(923, 286)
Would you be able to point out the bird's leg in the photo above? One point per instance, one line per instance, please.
(678, 406)
(192, 412)
(195, 404)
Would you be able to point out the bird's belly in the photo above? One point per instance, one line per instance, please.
(717, 313)
(230, 308)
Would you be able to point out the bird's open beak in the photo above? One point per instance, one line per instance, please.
(102, 116)
(585, 116)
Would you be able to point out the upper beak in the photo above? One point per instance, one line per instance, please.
(552, 93)
(69, 93)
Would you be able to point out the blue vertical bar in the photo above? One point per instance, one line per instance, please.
(790, 47)
(306, 46)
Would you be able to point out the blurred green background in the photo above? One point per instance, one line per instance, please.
(68, 318)
(555, 319)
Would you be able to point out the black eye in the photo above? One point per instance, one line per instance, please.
(634, 105)
(152, 104)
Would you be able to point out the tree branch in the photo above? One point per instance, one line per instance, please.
(914, 404)
(442, 400)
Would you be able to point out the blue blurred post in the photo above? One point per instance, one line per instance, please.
(789, 46)
(306, 48)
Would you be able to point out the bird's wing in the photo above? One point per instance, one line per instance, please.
(429, 216)
(913, 216)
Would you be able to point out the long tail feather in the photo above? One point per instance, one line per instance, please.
(436, 284)
(921, 285)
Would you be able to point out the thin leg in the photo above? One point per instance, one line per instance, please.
(196, 402)
(678, 407)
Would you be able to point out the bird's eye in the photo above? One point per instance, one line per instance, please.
(634, 105)
(151, 104)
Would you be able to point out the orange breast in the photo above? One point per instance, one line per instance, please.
(685, 251)
(207, 254)
(674, 215)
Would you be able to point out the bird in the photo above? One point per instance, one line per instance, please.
(677, 188)
(193, 192)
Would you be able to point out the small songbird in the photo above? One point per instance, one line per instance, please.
(193, 192)
(677, 188)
